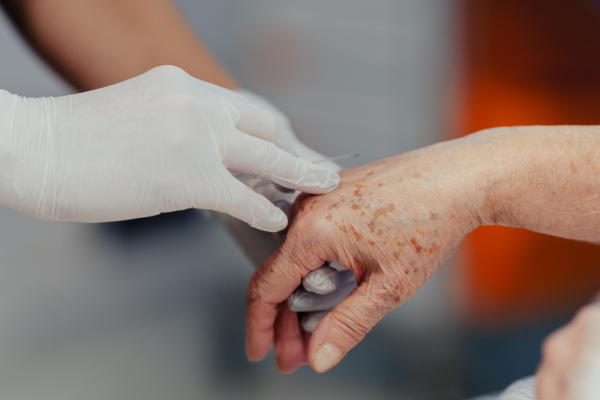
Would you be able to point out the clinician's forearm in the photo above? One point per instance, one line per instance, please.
(545, 179)
(95, 43)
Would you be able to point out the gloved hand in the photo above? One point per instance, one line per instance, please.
(160, 142)
(323, 288)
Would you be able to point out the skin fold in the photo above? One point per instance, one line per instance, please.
(395, 221)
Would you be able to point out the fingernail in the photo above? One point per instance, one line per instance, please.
(279, 366)
(248, 355)
(326, 357)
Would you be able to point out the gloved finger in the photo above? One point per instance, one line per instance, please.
(302, 300)
(252, 208)
(290, 350)
(262, 124)
(249, 155)
(321, 281)
(310, 320)
(289, 141)
(338, 266)
(327, 279)
(347, 324)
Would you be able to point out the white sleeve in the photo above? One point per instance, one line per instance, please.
(523, 389)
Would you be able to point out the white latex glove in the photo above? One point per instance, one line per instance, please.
(160, 142)
(323, 288)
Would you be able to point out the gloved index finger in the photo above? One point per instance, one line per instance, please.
(270, 285)
(252, 156)
(262, 124)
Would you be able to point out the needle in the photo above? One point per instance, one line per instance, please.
(343, 157)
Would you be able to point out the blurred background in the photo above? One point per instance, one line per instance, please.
(154, 308)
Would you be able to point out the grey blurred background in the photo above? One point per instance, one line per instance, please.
(154, 308)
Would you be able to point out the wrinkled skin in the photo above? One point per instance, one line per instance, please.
(388, 223)
(570, 368)
(393, 222)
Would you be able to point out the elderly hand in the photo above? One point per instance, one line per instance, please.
(392, 222)
(570, 368)
(395, 221)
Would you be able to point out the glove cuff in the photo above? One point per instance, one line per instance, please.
(8, 109)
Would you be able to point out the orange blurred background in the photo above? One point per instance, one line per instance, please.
(534, 62)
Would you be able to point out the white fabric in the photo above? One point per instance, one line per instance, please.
(160, 142)
(523, 389)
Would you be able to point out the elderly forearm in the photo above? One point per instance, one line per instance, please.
(95, 43)
(545, 179)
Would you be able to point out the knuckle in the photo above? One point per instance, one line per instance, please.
(269, 153)
(393, 290)
(169, 72)
(588, 314)
(253, 288)
(315, 224)
(168, 78)
(350, 324)
(269, 125)
(551, 344)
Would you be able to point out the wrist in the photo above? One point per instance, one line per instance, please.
(496, 162)
(480, 167)
(526, 169)
(24, 124)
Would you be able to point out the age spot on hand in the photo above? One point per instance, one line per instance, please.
(383, 211)
(372, 226)
(433, 215)
(416, 175)
(573, 167)
(417, 246)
